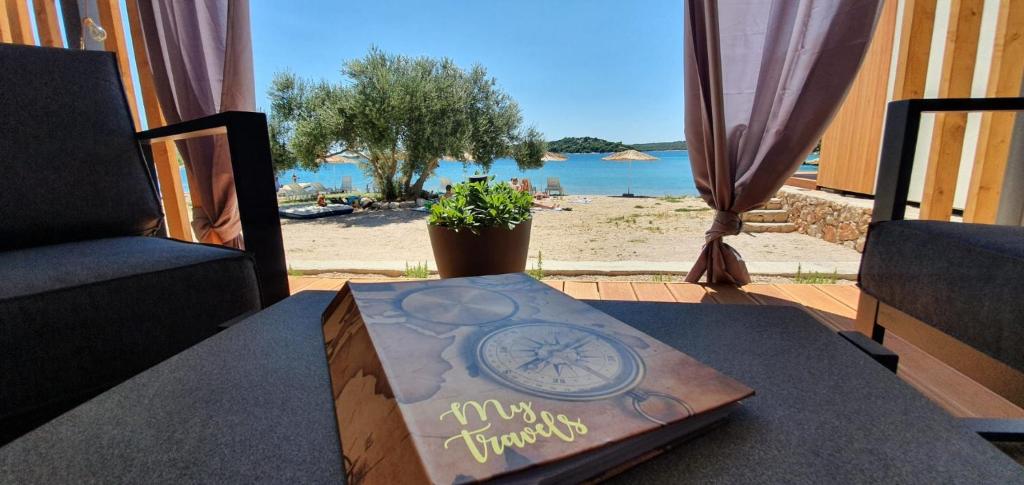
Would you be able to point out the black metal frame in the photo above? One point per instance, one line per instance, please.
(899, 144)
(253, 170)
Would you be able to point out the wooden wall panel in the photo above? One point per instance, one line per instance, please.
(958, 62)
(20, 22)
(915, 49)
(165, 156)
(47, 23)
(110, 19)
(5, 25)
(996, 129)
(849, 149)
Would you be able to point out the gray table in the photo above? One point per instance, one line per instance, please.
(254, 404)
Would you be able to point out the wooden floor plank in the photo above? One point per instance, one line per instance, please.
(298, 283)
(826, 308)
(846, 294)
(689, 292)
(616, 290)
(556, 284)
(957, 393)
(325, 284)
(767, 294)
(729, 294)
(646, 291)
(583, 290)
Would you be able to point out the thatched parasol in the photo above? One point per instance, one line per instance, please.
(629, 156)
(554, 157)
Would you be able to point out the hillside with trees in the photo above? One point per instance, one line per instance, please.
(586, 144)
(665, 145)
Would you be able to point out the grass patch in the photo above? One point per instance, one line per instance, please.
(418, 270)
(691, 209)
(293, 272)
(815, 278)
(661, 278)
(673, 199)
(537, 272)
(639, 207)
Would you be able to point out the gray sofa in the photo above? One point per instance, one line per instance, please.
(90, 293)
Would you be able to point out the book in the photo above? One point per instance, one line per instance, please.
(504, 379)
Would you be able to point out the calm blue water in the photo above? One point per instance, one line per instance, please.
(582, 173)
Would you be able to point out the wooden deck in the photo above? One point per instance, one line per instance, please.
(835, 306)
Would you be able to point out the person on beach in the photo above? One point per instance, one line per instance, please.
(295, 179)
(447, 192)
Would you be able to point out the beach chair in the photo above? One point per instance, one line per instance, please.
(554, 186)
(346, 183)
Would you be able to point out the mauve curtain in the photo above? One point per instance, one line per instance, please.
(762, 79)
(201, 53)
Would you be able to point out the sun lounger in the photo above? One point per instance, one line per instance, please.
(554, 186)
(314, 211)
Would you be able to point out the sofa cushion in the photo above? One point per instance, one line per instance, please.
(66, 137)
(77, 318)
(966, 280)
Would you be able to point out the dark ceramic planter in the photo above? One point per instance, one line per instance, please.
(495, 250)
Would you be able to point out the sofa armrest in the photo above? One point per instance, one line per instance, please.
(875, 350)
(997, 429)
(253, 170)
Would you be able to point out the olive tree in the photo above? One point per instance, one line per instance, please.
(401, 115)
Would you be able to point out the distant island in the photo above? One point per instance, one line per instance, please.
(589, 144)
(665, 145)
(585, 144)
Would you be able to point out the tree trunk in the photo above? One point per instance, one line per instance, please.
(417, 187)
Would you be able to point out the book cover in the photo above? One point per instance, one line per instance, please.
(503, 378)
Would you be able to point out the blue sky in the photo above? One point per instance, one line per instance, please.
(610, 69)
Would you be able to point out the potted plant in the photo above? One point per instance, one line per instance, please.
(481, 229)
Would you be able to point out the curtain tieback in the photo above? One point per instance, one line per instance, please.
(726, 223)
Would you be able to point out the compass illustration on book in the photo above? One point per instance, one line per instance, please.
(569, 363)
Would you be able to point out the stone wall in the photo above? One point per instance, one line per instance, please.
(831, 217)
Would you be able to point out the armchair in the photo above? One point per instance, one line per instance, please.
(90, 293)
(953, 289)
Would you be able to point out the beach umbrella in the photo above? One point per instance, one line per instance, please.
(629, 156)
(554, 157)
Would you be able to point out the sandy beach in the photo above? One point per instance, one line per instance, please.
(597, 229)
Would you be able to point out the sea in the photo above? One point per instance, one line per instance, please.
(582, 173)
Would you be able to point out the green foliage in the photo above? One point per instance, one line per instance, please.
(586, 144)
(418, 270)
(665, 145)
(661, 278)
(481, 204)
(815, 278)
(537, 272)
(402, 115)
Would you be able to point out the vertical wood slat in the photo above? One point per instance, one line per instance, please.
(915, 49)
(5, 25)
(165, 153)
(110, 20)
(849, 148)
(948, 136)
(19, 22)
(996, 129)
(47, 23)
